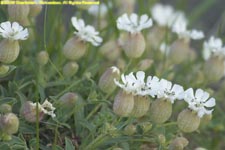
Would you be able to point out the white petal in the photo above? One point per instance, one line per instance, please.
(210, 103)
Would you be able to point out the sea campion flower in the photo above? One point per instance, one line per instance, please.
(214, 46)
(75, 47)
(169, 91)
(86, 33)
(96, 10)
(199, 102)
(133, 43)
(9, 47)
(13, 31)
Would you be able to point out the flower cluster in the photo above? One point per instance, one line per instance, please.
(214, 46)
(162, 88)
(133, 23)
(86, 33)
(13, 31)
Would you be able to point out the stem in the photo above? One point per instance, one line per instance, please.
(37, 126)
(93, 111)
(95, 143)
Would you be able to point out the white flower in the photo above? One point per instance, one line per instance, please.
(152, 86)
(133, 23)
(199, 102)
(46, 108)
(180, 28)
(169, 92)
(13, 31)
(164, 48)
(96, 10)
(162, 14)
(86, 33)
(213, 46)
(132, 84)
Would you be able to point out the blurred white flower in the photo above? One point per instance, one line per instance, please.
(133, 84)
(96, 10)
(214, 46)
(46, 108)
(133, 23)
(199, 102)
(152, 86)
(168, 91)
(162, 14)
(86, 33)
(13, 31)
(164, 48)
(180, 28)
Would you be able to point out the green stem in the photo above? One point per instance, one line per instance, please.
(37, 126)
(95, 143)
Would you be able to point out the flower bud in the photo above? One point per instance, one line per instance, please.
(121, 64)
(3, 69)
(160, 110)
(110, 50)
(125, 6)
(18, 13)
(35, 10)
(70, 69)
(214, 69)
(161, 139)
(6, 137)
(123, 104)
(178, 143)
(145, 64)
(42, 58)
(9, 123)
(69, 99)
(28, 111)
(5, 108)
(188, 121)
(180, 51)
(9, 51)
(117, 148)
(146, 126)
(149, 146)
(133, 44)
(74, 48)
(141, 106)
(130, 129)
(106, 82)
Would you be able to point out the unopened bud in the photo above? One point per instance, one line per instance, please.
(130, 129)
(110, 50)
(145, 64)
(3, 69)
(180, 51)
(106, 82)
(133, 44)
(161, 139)
(69, 99)
(42, 58)
(121, 64)
(9, 51)
(70, 69)
(146, 126)
(5, 108)
(123, 104)
(178, 143)
(74, 48)
(188, 121)
(160, 110)
(214, 69)
(141, 106)
(28, 111)
(18, 13)
(9, 123)
(117, 148)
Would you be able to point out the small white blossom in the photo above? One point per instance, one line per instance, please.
(214, 46)
(86, 33)
(13, 31)
(152, 86)
(162, 14)
(96, 10)
(180, 28)
(133, 23)
(169, 91)
(164, 48)
(46, 108)
(133, 84)
(199, 102)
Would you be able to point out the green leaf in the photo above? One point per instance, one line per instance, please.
(69, 144)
